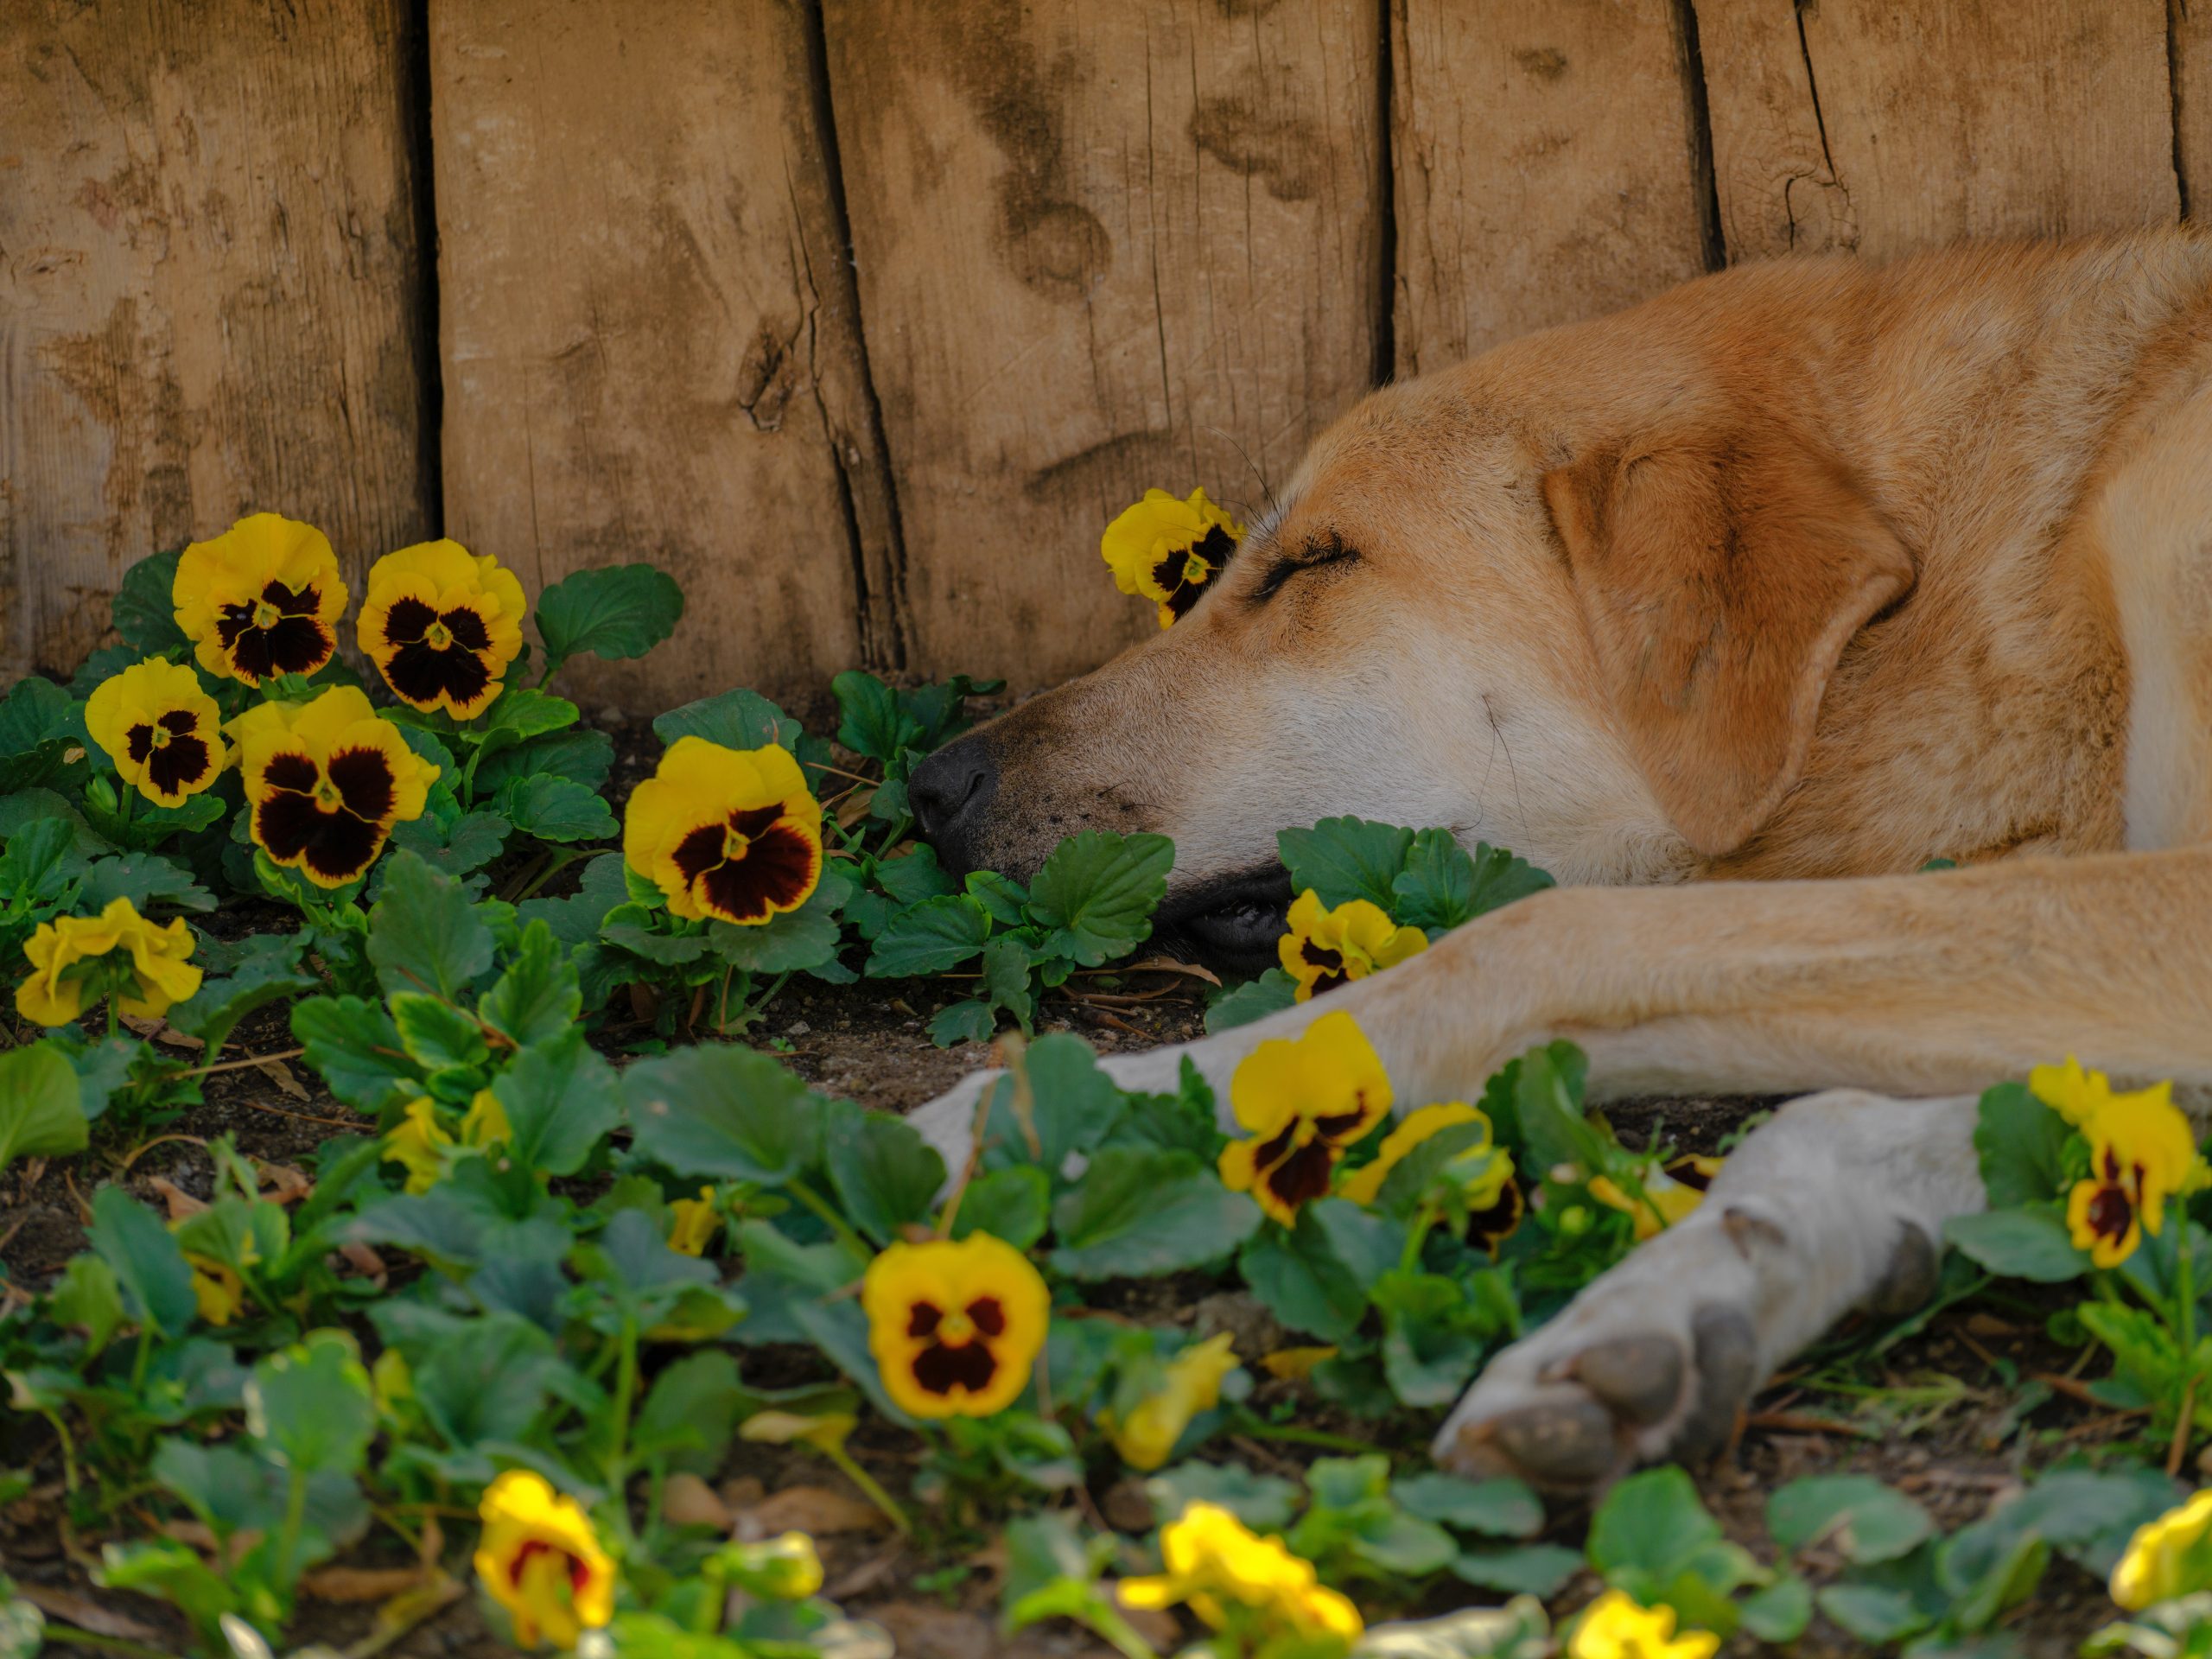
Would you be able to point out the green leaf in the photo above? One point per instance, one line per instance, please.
(461, 848)
(40, 1112)
(969, 1021)
(885, 1174)
(1074, 1107)
(2031, 1243)
(149, 1267)
(561, 1100)
(1011, 1205)
(146, 880)
(86, 1296)
(1499, 1508)
(1264, 1502)
(1370, 1245)
(1139, 1212)
(424, 935)
(1434, 1334)
(1652, 1522)
(644, 932)
(557, 809)
(742, 720)
(311, 1407)
(874, 724)
(39, 727)
(723, 1114)
(144, 608)
(691, 1413)
(1442, 886)
(914, 876)
(1098, 891)
(1344, 858)
(102, 1068)
(1007, 900)
(172, 1573)
(267, 971)
(1540, 1570)
(1255, 999)
(1299, 1277)
(1866, 1521)
(536, 1000)
(1780, 1612)
(577, 753)
(617, 611)
(356, 1047)
(2021, 1143)
(791, 942)
(1006, 980)
(523, 713)
(487, 1380)
(575, 920)
(437, 1036)
(932, 937)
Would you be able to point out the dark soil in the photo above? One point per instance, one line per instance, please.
(1934, 1416)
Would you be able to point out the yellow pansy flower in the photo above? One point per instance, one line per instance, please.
(261, 600)
(1167, 550)
(1325, 948)
(955, 1325)
(1616, 1627)
(2141, 1151)
(217, 1289)
(419, 1143)
(442, 624)
(1192, 1384)
(693, 1222)
(1213, 1561)
(486, 1124)
(326, 781)
(2169, 1557)
(1302, 1100)
(1669, 1195)
(541, 1560)
(67, 954)
(732, 834)
(163, 733)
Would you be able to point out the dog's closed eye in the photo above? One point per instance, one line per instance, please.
(1316, 553)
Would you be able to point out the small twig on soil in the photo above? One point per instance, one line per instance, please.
(420, 1607)
(1798, 1422)
(304, 1118)
(238, 1064)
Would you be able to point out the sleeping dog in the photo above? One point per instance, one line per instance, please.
(1732, 611)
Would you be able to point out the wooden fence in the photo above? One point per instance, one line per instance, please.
(861, 316)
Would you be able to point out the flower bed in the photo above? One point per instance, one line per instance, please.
(568, 1245)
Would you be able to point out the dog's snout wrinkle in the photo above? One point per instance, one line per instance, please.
(949, 793)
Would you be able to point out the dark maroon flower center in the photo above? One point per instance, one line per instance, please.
(333, 818)
(171, 749)
(435, 653)
(1173, 572)
(943, 1366)
(2111, 1212)
(1488, 1227)
(579, 1575)
(278, 633)
(748, 866)
(1296, 1171)
(1331, 963)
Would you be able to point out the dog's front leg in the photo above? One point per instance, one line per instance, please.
(1838, 1203)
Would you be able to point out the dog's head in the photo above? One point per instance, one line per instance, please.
(1587, 614)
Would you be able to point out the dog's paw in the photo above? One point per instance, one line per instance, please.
(1655, 1359)
(948, 1122)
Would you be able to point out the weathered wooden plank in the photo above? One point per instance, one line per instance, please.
(1861, 123)
(2190, 39)
(209, 292)
(1101, 248)
(1547, 163)
(648, 345)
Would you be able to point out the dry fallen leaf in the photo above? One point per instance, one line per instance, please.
(280, 1074)
(361, 1583)
(180, 1202)
(816, 1510)
(281, 1184)
(86, 1615)
(160, 1031)
(687, 1501)
(365, 1260)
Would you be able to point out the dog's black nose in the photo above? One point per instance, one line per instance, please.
(948, 793)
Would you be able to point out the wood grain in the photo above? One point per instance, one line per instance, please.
(648, 339)
(210, 297)
(2188, 26)
(1546, 167)
(1886, 128)
(1101, 248)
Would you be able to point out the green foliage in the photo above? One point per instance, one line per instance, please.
(617, 612)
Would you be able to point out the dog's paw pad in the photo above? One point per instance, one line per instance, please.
(1564, 1441)
(1638, 1379)
(1727, 1371)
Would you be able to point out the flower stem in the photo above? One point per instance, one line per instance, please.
(836, 1223)
(1296, 1436)
(867, 1483)
(2185, 1280)
(1417, 1236)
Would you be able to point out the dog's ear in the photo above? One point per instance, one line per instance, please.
(1720, 578)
